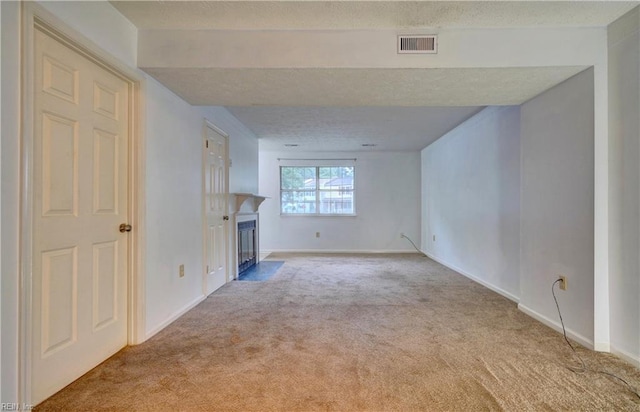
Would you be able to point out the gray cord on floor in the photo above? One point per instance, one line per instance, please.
(584, 367)
(414, 245)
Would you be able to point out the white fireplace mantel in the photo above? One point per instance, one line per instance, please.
(240, 214)
(255, 200)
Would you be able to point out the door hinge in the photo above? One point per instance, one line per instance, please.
(207, 269)
(207, 143)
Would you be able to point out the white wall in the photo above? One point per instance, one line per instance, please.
(0, 208)
(173, 132)
(557, 226)
(387, 203)
(100, 23)
(457, 48)
(174, 196)
(1, 39)
(471, 199)
(509, 195)
(9, 163)
(174, 209)
(624, 194)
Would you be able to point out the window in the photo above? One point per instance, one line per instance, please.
(317, 190)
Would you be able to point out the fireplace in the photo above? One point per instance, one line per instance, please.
(247, 234)
(247, 249)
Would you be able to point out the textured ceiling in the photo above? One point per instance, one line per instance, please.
(266, 15)
(301, 97)
(347, 128)
(340, 109)
(361, 87)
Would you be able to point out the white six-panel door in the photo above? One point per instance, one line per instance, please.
(81, 134)
(216, 208)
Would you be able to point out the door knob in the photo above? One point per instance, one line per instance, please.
(225, 217)
(125, 228)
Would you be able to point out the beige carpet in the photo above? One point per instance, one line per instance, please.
(352, 333)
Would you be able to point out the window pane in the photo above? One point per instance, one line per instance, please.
(329, 189)
(336, 178)
(298, 202)
(297, 178)
(336, 201)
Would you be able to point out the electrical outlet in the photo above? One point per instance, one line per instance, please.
(434, 238)
(563, 282)
(317, 234)
(181, 271)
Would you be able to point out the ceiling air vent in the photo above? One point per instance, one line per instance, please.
(422, 44)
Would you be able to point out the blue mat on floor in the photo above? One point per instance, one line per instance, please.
(261, 271)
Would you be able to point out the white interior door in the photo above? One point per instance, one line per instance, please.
(79, 276)
(216, 208)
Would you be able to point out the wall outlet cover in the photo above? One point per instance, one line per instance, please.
(563, 283)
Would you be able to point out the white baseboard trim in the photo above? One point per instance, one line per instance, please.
(175, 316)
(602, 347)
(263, 255)
(494, 288)
(343, 251)
(629, 357)
(586, 342)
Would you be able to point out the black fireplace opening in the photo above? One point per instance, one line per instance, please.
(246, 245)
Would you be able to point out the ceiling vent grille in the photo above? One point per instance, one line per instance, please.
(421, 44)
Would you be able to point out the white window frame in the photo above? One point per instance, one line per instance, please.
(318, 191)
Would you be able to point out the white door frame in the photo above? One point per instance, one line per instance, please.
(35, 16)
(205, 274)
